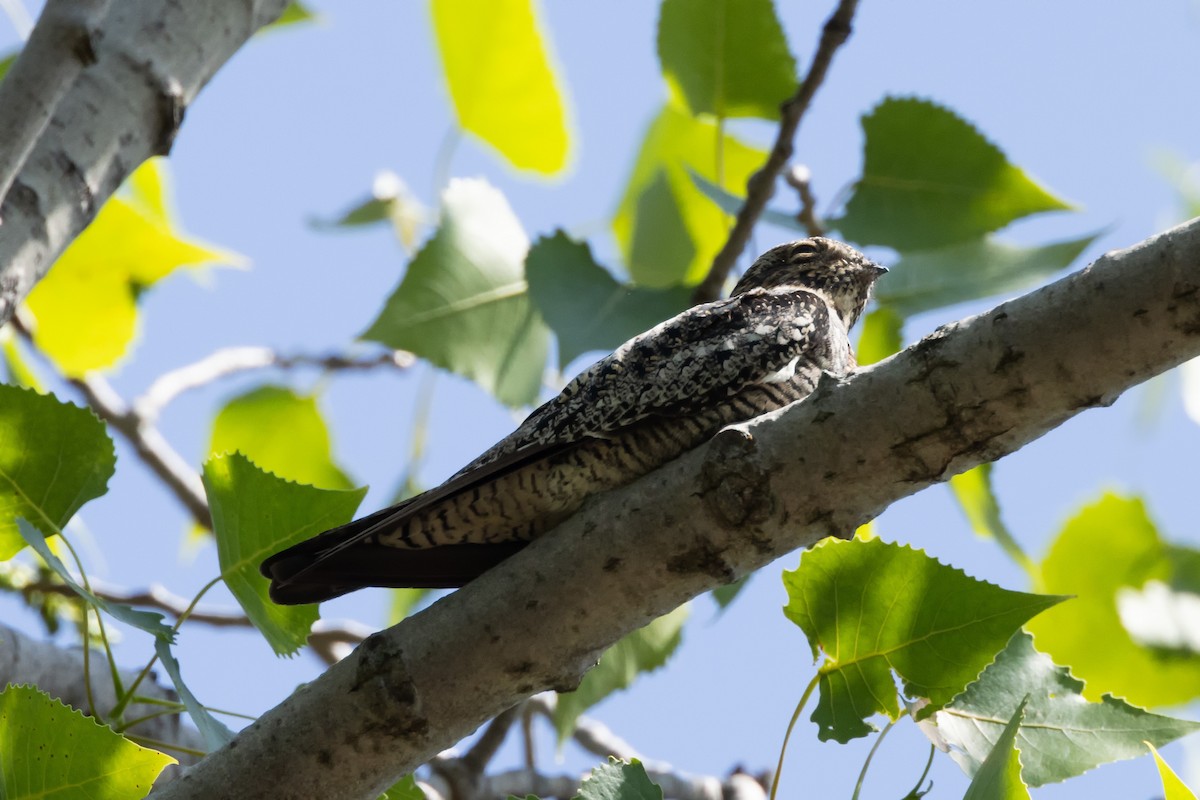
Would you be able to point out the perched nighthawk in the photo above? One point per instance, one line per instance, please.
(658, 395)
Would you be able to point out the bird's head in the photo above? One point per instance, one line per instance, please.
(840, 273)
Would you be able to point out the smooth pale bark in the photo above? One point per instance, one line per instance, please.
(969, 393)
(99, 88)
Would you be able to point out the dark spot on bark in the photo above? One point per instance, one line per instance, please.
(822, 416)
(520, 668)
(324, 757)
(1010, 356)
(613, 563)
(702, 558)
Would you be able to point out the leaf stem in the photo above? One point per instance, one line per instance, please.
(916, 790)
(808, 690)
(862, 774)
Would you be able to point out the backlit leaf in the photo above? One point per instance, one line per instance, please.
(54, 457)
(999, 777)
(930, 179)
(502, 80)
(464, 305)
(256, 514)
(876, 609)
(728, 58)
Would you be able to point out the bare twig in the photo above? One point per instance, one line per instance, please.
(799, 177)
(231, 360)
(675, 785)
(592, 735)
(762, 184)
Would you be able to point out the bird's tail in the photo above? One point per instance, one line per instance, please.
(340, 561)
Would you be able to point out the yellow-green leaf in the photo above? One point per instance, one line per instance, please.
(282, 432)
(668, 230)
(1173, 787)
(86, 307)
(49, 750)
(881, 336)
(502, 80)
(1110, 545)
(256, 514)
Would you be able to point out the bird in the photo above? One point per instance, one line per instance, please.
(662, 393)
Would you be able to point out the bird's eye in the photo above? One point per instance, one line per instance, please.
(803, 251)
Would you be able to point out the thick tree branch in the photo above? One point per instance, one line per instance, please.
(761, 185)
(105, 105)
(969, 393)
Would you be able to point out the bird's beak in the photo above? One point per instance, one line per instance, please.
(880, 269)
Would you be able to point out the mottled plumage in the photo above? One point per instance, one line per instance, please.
(657, 396)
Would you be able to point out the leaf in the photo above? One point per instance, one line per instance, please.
(54, 457)
(666, 228)
(6, 62)
(931, 179)
(283, 433)
(149, 621)
(464, 305)
(724, 596)
(881, 336)
(876, 608)
(619, 780)
(216, 734)
(404, 789)
(49, 750)
(1109, 545)
(584, 305)
(728, 58)
(977, 499)
(295, 13)
(86, 305)
(1062, 734)
(643, 650)
(1173, 787)
(999, 777)
(502, 80)
(256, 514)
(929, 279)
(390, 201)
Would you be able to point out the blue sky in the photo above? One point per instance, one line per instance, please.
(299, 122)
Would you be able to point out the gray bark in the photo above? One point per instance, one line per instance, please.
(971, 392)
(98, 89)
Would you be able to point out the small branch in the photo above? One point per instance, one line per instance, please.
(484, 749)
(231, 360)
(675, 785)
(592, 735)
(799, 177)
(762, 184)
(148, 443)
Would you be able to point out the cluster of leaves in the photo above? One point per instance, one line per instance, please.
(479, 299)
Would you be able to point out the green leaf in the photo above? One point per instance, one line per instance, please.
(1062, 734)
(667, 229)
(584, 305)
(49, 750)
(283, 433)
(931, 179)
(1109, 545)
(881, 336)
(728, 58)
(929, 279)
(86, 306)
(216, 734)
(999, 777)
(54, 457)
(724, 596)
(404, 789)
(1184, 178)
(502, 80)
(876, 608)
(464, 305)
(643, 650)
(1173, 787)
(404, 601)
(149, 621)
(256, 514)
(619, 780)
